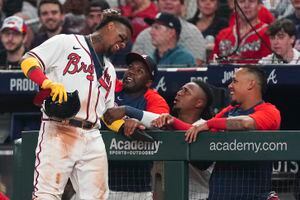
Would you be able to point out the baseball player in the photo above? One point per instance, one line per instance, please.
(73, 148)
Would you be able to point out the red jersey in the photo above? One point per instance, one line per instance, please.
(3, 197)
(137, 19)
(150, 101)
(264, 15)
(250, 49)
(265, 115)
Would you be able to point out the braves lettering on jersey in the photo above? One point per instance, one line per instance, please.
(245, 180)
(250, 48)
(63, 150)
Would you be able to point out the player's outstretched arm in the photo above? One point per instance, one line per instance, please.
(242, 122)
(31, 68)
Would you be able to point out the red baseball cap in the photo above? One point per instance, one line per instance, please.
(14, 23)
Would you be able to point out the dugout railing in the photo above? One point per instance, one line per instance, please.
(171, 148)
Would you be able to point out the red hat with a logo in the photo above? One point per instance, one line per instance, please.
(14, 23)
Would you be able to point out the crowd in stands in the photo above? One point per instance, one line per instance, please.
(253, 32)
(209, 35)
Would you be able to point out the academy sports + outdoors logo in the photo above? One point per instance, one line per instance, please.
(126, 147)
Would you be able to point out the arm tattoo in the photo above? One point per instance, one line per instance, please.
(240, 123)
(234, 124)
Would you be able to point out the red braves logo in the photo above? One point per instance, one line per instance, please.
(73, 66)
(105, 82)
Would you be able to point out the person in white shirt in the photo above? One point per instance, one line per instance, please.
(282, 37)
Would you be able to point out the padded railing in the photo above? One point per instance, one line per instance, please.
(171, 148)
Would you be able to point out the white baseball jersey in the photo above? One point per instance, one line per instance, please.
(65, 151)
(66, 59)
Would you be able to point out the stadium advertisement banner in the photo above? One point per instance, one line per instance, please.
(246, 145)
(230, 146)
(119, 147)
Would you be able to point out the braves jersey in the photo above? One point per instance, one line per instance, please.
(67, 59)
(135, 176)
(245, 180)
(79, 153)
(248, 49)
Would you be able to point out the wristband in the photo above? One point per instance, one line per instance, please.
(115, 126)
(217, 123)
(180, 125)
(37, 76)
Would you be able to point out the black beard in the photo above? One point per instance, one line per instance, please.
(16, 49)
(175, 110)
(109, 52)
(134, 89)
(234, 103)
(53, 30)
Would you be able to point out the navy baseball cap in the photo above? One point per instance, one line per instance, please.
(147, 60)
(166, 19)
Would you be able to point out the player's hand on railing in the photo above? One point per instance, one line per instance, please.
(163, 120)
(130, 125)
(58, 90)
(113, 114)
(192, 133)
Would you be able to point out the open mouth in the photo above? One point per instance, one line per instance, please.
(176, 100)
(128, 79)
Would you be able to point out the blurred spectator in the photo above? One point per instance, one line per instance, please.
(12, 6)
(282, 36)
(29, 33)
(13, 35)
(279, 8)
(206, 18)
(165, 32)
(295, 17)
(51, 17)
(208, 22)
(2, 13)
(30, 14)
(264, 14)
(2, 17)
(29, 8)
(75, 22)
(137, 11)
(245, 41)
(94, 13)
(190, 37)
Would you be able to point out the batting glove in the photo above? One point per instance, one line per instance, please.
(57, 90)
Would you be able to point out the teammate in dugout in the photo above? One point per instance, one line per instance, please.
(73, 148)
(132, 179)
(237, 180)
